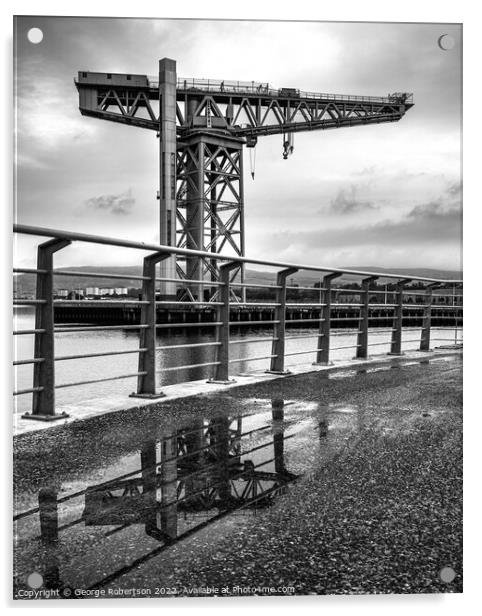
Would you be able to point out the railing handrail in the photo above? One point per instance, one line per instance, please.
(255, 87)
(44, 361)
(98, 239)
(265, 87)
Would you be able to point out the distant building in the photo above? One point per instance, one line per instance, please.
(105, 291)
(76, 294)
(62, 293)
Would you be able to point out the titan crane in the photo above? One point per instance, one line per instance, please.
(202, 127)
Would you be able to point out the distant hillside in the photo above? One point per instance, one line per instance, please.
(309, 278)
(425, 272)
(24, 284)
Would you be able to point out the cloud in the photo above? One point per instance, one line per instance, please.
(64, 158)
(455, 189)
(30, 162)
(429, 231)
(48, 124)
(347, 202)
(446, 207)
(435, 210)
(366, 171)
(121, 204)
(418, 227)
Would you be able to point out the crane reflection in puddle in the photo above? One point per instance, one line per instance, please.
(189, 478)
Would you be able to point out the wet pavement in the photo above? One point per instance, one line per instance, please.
(343, 481)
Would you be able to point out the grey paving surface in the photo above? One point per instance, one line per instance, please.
(376, 506)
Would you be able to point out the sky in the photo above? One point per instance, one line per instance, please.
(387, 195)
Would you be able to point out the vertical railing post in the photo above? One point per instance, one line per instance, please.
(150, 504)
(220, 446)
(168, 477)
(279, 329)
(460, 304)
(455, 313)
(396, 345)
(323, 340)
(221, 372)
(277, 413)
(427, 318)
(48, 514)
(49, 534)
(43, 399)
(362, 337)
(146, 383)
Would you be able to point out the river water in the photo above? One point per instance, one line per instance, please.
(250, 343)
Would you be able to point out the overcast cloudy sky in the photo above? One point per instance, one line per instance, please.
(387, 195)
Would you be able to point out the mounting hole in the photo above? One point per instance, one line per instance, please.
(35, 35)
(447, 575)
(446, 42)
(35, 580)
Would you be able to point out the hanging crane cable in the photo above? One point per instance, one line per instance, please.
(252, 161)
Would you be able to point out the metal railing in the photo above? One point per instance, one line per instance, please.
(321, 314)
(257, 87)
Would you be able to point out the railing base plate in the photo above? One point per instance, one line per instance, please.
(53, 417)
(148, 396)
(396, 354)
(362, 358)
(278, 372)
(216, 382)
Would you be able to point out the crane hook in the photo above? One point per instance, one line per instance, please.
(288, 144)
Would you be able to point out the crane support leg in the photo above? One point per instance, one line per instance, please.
(209, 206)
(167, 180)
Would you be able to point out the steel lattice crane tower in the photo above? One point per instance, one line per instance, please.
(202, 127)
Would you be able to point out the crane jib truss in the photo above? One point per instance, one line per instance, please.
(203, 126)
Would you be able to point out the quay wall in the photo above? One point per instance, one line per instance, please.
(120, 313)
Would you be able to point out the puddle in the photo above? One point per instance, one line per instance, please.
(344, 409)
(205, 478)
(448, 358)
(371, 370)
(342, 374)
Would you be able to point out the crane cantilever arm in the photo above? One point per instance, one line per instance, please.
(120, 118)
(248, 114)
(251, 131)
